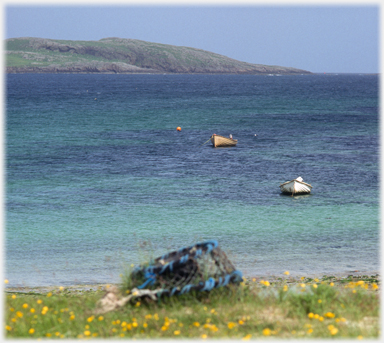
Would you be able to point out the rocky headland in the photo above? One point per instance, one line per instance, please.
(125, 56)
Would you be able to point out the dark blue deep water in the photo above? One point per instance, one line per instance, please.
(97, 177)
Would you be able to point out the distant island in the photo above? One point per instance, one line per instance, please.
(123, 56)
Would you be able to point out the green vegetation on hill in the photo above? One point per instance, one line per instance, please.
(117, 55)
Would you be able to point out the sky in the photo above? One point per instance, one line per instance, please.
(328, 38)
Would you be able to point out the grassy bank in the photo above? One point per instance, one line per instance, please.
(282, 308)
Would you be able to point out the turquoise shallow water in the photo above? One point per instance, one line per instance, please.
(98, 177)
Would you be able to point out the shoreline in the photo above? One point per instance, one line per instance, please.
(337, 278)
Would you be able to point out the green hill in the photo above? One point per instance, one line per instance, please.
(117, 55)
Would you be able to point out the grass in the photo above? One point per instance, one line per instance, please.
(282, 308)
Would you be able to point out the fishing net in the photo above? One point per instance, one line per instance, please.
(201, 267)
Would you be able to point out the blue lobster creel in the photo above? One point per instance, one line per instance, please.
(203, 267)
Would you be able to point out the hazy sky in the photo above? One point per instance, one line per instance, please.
(341, 39)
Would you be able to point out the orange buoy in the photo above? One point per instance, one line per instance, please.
(178, 128)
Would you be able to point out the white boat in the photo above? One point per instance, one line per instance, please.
(296, 186)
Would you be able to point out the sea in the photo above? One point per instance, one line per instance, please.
(98, 178)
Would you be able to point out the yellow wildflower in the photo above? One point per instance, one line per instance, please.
(231, 325)
(31, 331)
(247, 337)
(6, 281)
(39, 301)
(360, 337)
(101, 318)
(316, 280)
(95, 334)
(254, 279)
(72, 317)
(19, 314)
(163, 328)
(197, 324)
(8, 328)
(329, 315)
(25, 305)
(135, 325)
(204, 336)
(241, 322)
(314, 285)
(266, 332)
(48, 335)
(61, 288)
(285, 288)
(316, 316)
(87, 333)
(310, 331)
(49, 294)
(319, 301)
(302, 285)
(148, 316)
(214, 328)
(177, 332)
(145, 325)
(13, 296)
(286, 273)
(375, 286)
(90, 319)
(265, 283)
(310, 315)
(334, 331)
(331, 284)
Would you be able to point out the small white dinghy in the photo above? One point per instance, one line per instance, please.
(295, 187)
